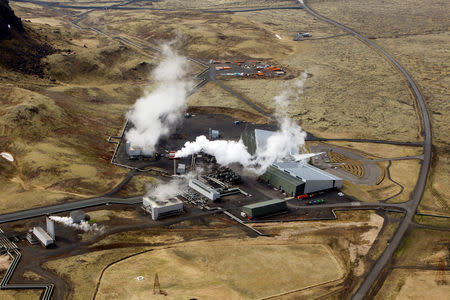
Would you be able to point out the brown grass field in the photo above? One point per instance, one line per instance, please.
(413, 285)
(192, 259)
(223, 270)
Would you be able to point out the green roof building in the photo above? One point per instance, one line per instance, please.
(284, 181)
(264, 208)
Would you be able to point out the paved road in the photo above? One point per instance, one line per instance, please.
(53, 209)
(410, 206)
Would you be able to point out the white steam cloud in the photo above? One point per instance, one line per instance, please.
(83, 225)
(176, 186)
(155, 114)
(284, 143)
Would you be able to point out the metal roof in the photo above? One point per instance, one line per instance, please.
(264, 203)
(285, 176)
(162, 202)
(304, 171)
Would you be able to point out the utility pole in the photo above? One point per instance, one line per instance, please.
(156, 285)
(440, 275)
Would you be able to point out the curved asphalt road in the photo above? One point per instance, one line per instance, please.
(58, 208)
(410, 206)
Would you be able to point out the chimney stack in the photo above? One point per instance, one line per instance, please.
(50, 227)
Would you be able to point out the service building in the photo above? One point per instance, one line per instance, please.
(43, 236)
(264, 208)
(159, 208)
(204, 189)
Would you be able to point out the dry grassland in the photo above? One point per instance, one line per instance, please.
(386, 235)
(193, 259)
(137, 185)
(22, 294)
(372, 150)
(334, 104)
(213, 98)
(106, 215)
(220, 4)
(432, 221)
(82, 271)
(201, 35)
(404, 172)
(5, 261)
(383, 109)
(416, 34)
(57, 130)
(413, 285)
(426, 57)
(394, 18)
(422, 247)
(221, 270)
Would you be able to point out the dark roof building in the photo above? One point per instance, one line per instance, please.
(264, 208)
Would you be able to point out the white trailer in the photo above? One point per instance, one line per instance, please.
(204, 189)
(43, 236)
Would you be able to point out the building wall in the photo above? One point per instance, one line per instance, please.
(320, 185)
(211, 195)
(248, 137)
(274, 178)
(260, 211)
(157, 211)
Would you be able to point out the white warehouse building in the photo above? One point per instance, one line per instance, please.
(43, 236)
(204, 189)
(159, 208)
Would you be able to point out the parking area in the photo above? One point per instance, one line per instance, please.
(246, 68)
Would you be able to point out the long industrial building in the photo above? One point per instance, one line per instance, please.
(43, 236)
(296, 178)
(204, 189)
(264, 208)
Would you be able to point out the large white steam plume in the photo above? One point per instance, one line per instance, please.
(83, 225)
(155, 114)
(176, 186)
(284, 143)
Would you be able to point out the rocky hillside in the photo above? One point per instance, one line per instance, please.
(22, 48)
(8, 21)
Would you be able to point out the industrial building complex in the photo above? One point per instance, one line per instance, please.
(291, 177)
(296, 178)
